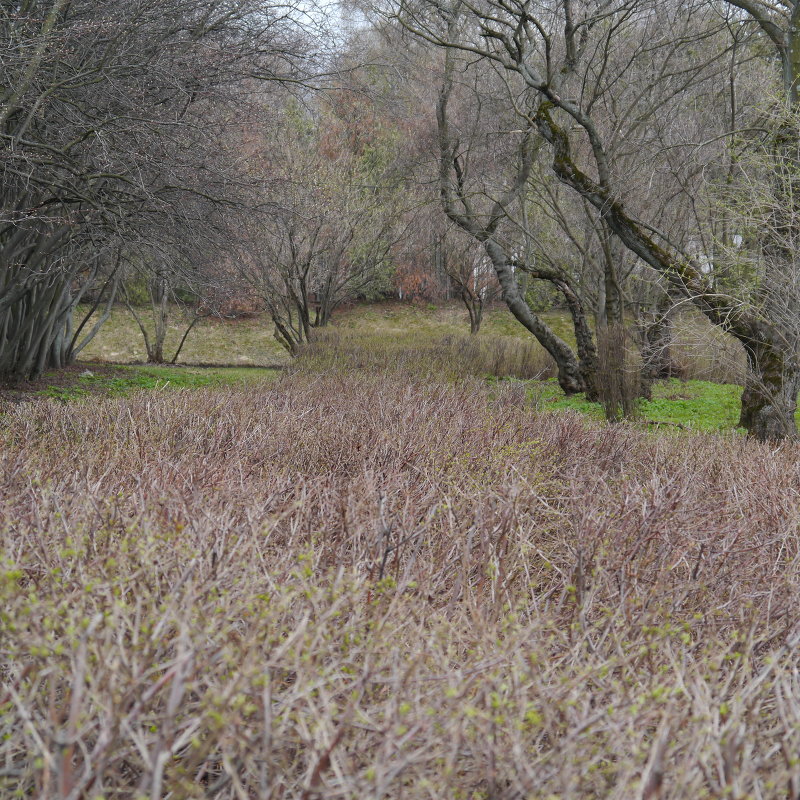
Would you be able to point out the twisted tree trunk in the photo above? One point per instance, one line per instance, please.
(571, 376)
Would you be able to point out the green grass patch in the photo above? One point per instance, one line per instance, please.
(699, 405)
(548, 396)
(126, 380)
(64, 393)
(693, 405)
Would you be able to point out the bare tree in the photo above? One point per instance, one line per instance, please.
(180, 289)
(327, 236)
(469, 271)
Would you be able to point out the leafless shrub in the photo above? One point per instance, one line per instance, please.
(619, 377)
(376, 586)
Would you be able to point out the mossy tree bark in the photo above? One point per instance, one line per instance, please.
(510, 40)
(769, 399)
(584, 338)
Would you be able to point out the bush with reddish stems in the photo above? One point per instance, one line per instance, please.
(374, 586)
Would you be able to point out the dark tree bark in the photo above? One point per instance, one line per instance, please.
(571, 377)
(584, 339)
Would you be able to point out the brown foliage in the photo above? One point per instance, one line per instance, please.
(374, 586)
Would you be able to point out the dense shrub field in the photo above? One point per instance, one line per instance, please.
(373, 586)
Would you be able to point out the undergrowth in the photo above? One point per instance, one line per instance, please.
(380, 586)
(444, 357)
(699, 351)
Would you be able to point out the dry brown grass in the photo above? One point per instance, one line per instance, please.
(372, 586)
(703, 352)
(420, 354)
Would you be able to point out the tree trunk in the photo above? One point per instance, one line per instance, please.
(284, 338)
(769, 399)
(159, 298)
(600, 310)
(185, 336)
(474, 306)
(657, 344)
(32, 328)
(617, 387)
(570, 375)
(767, 404)
(476, 318)
(584, 340)
(74, 347)
(612, 294)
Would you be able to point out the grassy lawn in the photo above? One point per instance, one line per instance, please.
(247, 341)
(403, 322)
(693, 405)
